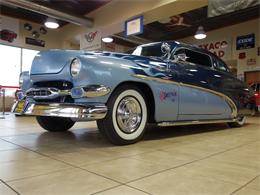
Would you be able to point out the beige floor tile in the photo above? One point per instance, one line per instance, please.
(196, 150)
(255, 184)
(67, 182)
(4, 190)
(165, 158)
(223, 171)
(17, 155)
(247, 191)
(241, 158)
(84, 158)
(182, 183)
(125, 169)
(7, 146)
(29, 167)
(122, 190)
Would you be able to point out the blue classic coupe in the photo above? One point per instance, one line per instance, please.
(167, 83)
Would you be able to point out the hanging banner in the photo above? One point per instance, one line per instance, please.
(219, 7)
(221, 48)
(246, 41)
(9, 30)
(91, 41)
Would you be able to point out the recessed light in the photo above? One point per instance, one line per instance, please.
(51, 23)
(200, 34)
(107, 39)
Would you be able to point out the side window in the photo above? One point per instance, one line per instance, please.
(220, 65)
(198, 58)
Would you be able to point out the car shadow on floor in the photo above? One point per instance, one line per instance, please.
(155, 132)
(92, 138)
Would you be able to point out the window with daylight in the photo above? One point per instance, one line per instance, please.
(10, 65)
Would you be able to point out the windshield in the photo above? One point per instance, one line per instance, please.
(153, 49)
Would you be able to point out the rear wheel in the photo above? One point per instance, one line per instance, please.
(239, 123)
(126, 119)
(55, 124)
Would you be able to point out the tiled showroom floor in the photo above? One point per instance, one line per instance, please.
(204, 159)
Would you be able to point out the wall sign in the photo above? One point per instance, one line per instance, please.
(91, 40)
(36, 42)
(251, 61)
(9, 30)
(242, 55)
(134, 26)
(221, 48)
(246, 41)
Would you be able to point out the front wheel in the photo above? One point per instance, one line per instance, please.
(126, 119)
(55, 124)
(239, 123)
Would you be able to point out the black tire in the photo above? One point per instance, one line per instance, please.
(239, 123)
(112, 126)
(55, 124)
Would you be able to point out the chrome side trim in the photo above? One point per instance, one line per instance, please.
(46, 93)
(230, 102)
(76, 112)
(96, 90)
(196, 122)
(90, 91)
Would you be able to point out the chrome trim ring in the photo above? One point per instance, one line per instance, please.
(129, 114)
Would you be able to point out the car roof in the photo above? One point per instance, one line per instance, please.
(180, 44)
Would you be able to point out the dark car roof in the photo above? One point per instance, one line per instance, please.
(180, 44)
(195, 48)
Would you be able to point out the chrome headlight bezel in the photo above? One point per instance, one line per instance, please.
(75, 67)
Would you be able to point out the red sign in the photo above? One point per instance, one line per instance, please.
(242, 55)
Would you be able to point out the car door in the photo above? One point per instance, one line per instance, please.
(229, 85)
(196, 100)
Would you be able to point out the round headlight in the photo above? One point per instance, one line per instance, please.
(75, 67)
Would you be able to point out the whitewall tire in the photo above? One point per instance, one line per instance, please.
(126, 119)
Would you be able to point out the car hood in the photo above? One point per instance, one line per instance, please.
(53, 61)
(143, 61)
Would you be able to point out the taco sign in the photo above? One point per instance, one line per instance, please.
(220, 48)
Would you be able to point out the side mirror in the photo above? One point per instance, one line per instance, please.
(166, 50)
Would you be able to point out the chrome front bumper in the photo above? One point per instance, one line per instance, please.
(73, 111)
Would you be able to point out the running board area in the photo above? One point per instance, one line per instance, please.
(195, 122)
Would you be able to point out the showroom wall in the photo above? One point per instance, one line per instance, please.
(51, 39)
(245, 59)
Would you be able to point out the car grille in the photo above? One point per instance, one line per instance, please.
(62, 85)
(45, 88)
(41, 92)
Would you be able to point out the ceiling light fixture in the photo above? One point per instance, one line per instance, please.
(200, 34)
(107, 39)
(51, 23)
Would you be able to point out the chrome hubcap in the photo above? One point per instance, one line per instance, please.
(129, 114)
